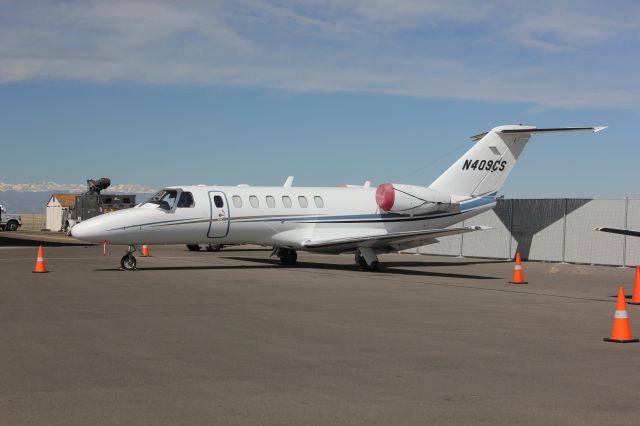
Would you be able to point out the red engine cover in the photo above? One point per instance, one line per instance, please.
(385, 196)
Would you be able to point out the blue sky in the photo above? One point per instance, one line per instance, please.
(160, 93)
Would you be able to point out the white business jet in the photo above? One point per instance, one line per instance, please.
(354, 219)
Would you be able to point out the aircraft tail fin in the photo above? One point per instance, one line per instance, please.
(484, 168)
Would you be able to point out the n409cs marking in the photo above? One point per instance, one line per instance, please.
(488, 165)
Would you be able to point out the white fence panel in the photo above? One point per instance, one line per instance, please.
(447, 246)
(552, 230)
(582, 243)
(537, 227)
(493, 243)
(632, 257)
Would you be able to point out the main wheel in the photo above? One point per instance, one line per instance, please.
(365, 267)
(11, 226)
(214, 247)
(193, 247)
(128, 262)
(374, 266)
(288, 256)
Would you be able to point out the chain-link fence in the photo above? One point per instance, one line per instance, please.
(32, 221)
(556, 230)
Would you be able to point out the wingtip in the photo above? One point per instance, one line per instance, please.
(599, 128)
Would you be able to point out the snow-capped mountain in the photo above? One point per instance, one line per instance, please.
(71, 187)
(32, 197)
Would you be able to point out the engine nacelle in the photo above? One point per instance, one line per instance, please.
(410, 199)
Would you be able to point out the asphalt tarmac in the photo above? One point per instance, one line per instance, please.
(233, 338)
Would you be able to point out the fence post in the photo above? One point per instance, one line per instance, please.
(626, 226)
(461, 240)
(510, 233)
(564, 230)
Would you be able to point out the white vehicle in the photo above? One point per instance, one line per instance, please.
(8, 221)
(362, 220)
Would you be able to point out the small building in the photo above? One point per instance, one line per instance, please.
(58, 208)
(64, 210)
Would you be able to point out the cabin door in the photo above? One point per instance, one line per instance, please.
(219, 223)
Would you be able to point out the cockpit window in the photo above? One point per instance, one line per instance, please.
(186, 200)
(165, 199)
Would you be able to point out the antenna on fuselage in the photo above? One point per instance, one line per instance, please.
(289, 182)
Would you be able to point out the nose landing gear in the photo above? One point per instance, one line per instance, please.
(128, 261)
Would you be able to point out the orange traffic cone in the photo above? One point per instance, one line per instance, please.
(621, 331)
(635, 299)
(40, 268)
(518, 276)
(145, 251)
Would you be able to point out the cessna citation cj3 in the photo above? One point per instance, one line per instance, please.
(362, 220)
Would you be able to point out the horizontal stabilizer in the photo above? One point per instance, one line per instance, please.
(620, 231)
(533, 130)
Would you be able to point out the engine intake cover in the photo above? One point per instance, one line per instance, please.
(397, 198)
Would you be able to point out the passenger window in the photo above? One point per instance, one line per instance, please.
(237, 201)
(253, 200)
(217, 200)
(318, 201)
(271, 202)
(286, 201)
(186, 200)
(302, 200)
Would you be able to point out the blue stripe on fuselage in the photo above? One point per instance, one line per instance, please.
(384, 217)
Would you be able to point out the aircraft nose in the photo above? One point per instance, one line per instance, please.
(86, 231)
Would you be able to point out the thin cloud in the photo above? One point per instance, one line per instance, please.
(568, 54)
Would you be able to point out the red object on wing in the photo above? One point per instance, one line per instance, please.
(385, 196)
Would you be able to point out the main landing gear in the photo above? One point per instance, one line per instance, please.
(128, 261)
(208, 247)
(287, 256)
(367, 260)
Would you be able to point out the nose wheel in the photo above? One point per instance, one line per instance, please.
(128, 261)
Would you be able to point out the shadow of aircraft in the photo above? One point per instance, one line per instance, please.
(8, 241)
(511, 212)
(386, 267)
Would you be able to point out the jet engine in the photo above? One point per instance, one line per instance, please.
(410, 199)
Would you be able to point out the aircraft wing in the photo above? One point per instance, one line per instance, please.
(387, 242)
(620, 231)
